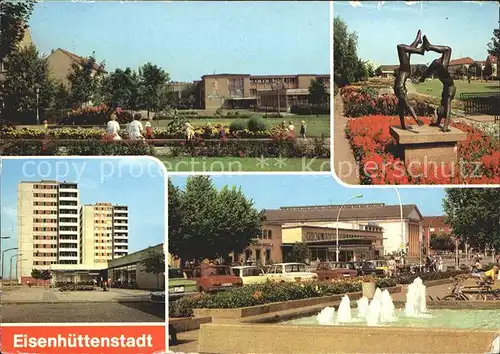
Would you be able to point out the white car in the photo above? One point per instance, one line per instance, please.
(250, 274)
(291, 272)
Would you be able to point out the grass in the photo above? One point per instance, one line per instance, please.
(246, 164)
(434, 87)
(316, 126)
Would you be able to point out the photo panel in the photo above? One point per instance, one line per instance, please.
(417, 100)
(190, 83)
(289, 256)
(83, 255)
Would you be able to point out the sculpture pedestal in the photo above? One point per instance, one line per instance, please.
(427, 144)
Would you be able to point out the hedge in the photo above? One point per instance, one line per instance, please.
(77, 147)
(76, 288)
(409, 278)
(310, 109)
(265, 293)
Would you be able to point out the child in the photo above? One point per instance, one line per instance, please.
(291, 130)
(303, 129)
(149, 129)
(46, 124)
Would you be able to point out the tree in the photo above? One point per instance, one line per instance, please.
(418, 70)
(174, 217)
(494, 45)
(27, 72)
(36, 274)
(14, 16)
(442, 242)
(378, 71)
(474, 215)
(211, 223)
(475, 69)
(84, 81)
(317, 92)
(460, 72)
(120, 89)
(370, 70)
(346, 63)
(155, 87)
(300, 252)
(61, 96)
(154, 263)
(488, 69)
(46, 274)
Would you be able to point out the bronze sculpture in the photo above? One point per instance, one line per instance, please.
(439, 67)
(404, 53)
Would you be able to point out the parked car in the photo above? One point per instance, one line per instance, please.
(332, 270)
(366, 268)
(250, 274)
(290, 272)
(178, 284)
(157, 296)
(382, 265)
(212, 278)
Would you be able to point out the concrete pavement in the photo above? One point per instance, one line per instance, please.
(38, 294)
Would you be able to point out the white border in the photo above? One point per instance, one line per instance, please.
(165, 244)
(332, 117)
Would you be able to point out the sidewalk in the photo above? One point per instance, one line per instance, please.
(344, 163)
(36, 295)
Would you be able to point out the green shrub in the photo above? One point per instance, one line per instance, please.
(310, 109)
(257, 124)
(237, 125)
(409, 278)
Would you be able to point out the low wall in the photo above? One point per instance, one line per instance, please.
(188, 323)
(242, 312)
(256, 338)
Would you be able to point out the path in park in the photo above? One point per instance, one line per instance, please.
(345, 165)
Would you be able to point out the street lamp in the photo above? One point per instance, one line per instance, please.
(338, 217)
(3, 238)
(37, 105)
(10, 270)
(3, 252)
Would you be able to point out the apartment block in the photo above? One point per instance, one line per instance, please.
(104, 233)
(47, 225)
(54, 232)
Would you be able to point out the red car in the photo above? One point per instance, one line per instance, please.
(213, 278)
(333, 270)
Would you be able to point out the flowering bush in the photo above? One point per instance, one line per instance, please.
(375, 149)
(258, 294)
(365, 101)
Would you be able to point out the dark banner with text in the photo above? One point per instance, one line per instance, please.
(83, 339)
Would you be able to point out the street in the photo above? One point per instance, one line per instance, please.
(83, 312)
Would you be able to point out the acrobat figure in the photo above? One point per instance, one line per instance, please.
(404, 53)
(439, 67)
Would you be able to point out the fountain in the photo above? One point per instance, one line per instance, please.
(326, 316)
(495, 346)
(416, 303)
(362, 307)
(344, 312)
(387, 308)
(374, 309)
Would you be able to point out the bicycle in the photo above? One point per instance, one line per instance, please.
(486, 291)
(456, 292)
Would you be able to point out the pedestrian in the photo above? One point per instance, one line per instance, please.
(189, 131)
(303, 129)
(291, 130)
(135, 128)
(45, 125)
(222, 134)
(440, 264)
(149, 128)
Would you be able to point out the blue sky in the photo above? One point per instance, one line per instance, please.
(466, 27)
(190, 39)
(274, 191)
(136, 182)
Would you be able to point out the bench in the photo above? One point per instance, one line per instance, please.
(482, 103)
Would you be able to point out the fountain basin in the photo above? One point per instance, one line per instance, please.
(442, 318)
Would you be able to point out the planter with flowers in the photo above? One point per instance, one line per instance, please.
(369, 285)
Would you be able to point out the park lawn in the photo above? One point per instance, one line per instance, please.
(434, 87)
(316, 126)
(245, 164)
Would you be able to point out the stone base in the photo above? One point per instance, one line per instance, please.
(427, 144)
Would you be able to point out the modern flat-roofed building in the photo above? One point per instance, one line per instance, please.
(245, 91)
(365, 231)
(47, 224)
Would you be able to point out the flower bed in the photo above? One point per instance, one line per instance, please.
(366, 101)
(373, 147)
(76, 288)
(269, 292)
(409, 278)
